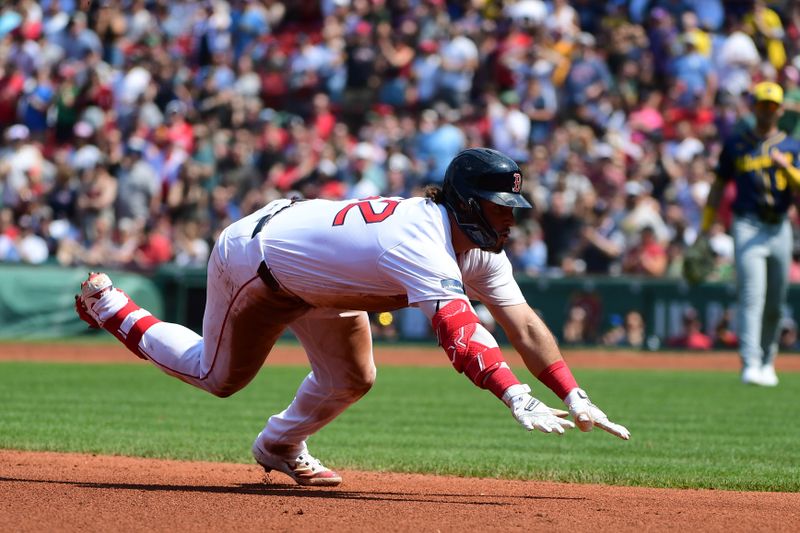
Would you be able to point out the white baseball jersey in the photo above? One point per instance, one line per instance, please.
(378, 254)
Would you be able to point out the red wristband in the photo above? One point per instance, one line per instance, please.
(499, 380)
(558, 378)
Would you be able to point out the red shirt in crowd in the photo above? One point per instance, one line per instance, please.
(693, 340)
(157, 249)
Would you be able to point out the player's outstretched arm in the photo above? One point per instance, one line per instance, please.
(474, 352)
(539, 350)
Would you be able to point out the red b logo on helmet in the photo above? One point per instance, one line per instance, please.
(517, 182)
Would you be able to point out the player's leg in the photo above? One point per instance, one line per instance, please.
(778, 265)
(242, 320)
(339, 347)
(750, 256)
(101, 305)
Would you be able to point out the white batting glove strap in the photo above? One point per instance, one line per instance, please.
(532, 413)
(587, 415)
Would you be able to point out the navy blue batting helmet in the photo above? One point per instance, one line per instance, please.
(481, 173)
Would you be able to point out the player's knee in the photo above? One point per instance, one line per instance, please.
(368, 378)
(224, 390)
(359, 382)
(365, 381)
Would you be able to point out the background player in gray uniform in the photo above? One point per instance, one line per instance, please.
(316, 266)
(761, 163)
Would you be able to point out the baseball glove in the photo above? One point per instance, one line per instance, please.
(698, 261)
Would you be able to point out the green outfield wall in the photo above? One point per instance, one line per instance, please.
(37, 302)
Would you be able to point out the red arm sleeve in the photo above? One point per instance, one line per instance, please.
(455, 325)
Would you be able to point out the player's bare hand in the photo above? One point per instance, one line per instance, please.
(533, 414)
(587, 415)
(779, 158)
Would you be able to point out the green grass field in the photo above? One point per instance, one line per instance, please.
(689, 429)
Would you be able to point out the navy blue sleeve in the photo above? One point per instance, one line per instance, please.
(725, 164)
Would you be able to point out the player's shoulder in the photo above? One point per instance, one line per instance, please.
(421, 207)
(739, 137)
(791, 144)
(419, 202)
(479, 260)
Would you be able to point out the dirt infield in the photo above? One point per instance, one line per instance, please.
(72, 492)
(77, 492)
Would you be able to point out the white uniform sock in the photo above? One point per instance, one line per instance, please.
(108, 304)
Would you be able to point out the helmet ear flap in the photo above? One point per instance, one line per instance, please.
(474, 208)
(487, 237)
(468, 213)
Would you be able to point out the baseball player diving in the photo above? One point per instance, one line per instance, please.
(762, 163)
(318, 266)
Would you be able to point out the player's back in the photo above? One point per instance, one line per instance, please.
(358, 253)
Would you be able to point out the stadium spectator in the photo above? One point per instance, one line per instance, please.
(765, 27)
(424, 74)
(675, 259)
(575, 327)
(602, 244)
(628, 332)
(460, 60)
(540, 105)
(154, 248)
(561, 231)
(22, 165)
(691, 336)
(588, 82)
(694, 81)
(736, 60)
(191, 250)
(437, 142)
(12, 82)
(139, 186)
(724, 335)
(8, 237)
(527, 251)
(647, 258)
(788, 339)
(510, 128)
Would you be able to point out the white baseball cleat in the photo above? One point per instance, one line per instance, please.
(304, 469)
(768, 376)
(95, 286)
(751, 375)
(763, 377)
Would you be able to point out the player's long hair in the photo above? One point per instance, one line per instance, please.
(434, 193)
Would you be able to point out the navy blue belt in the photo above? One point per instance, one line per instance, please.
(263, 270)
(266, 276)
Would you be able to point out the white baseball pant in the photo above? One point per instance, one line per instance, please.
(243, 319)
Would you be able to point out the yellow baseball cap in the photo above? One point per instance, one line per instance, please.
(768, 91)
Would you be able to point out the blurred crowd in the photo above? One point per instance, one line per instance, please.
(135, 130)
(689, 331)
